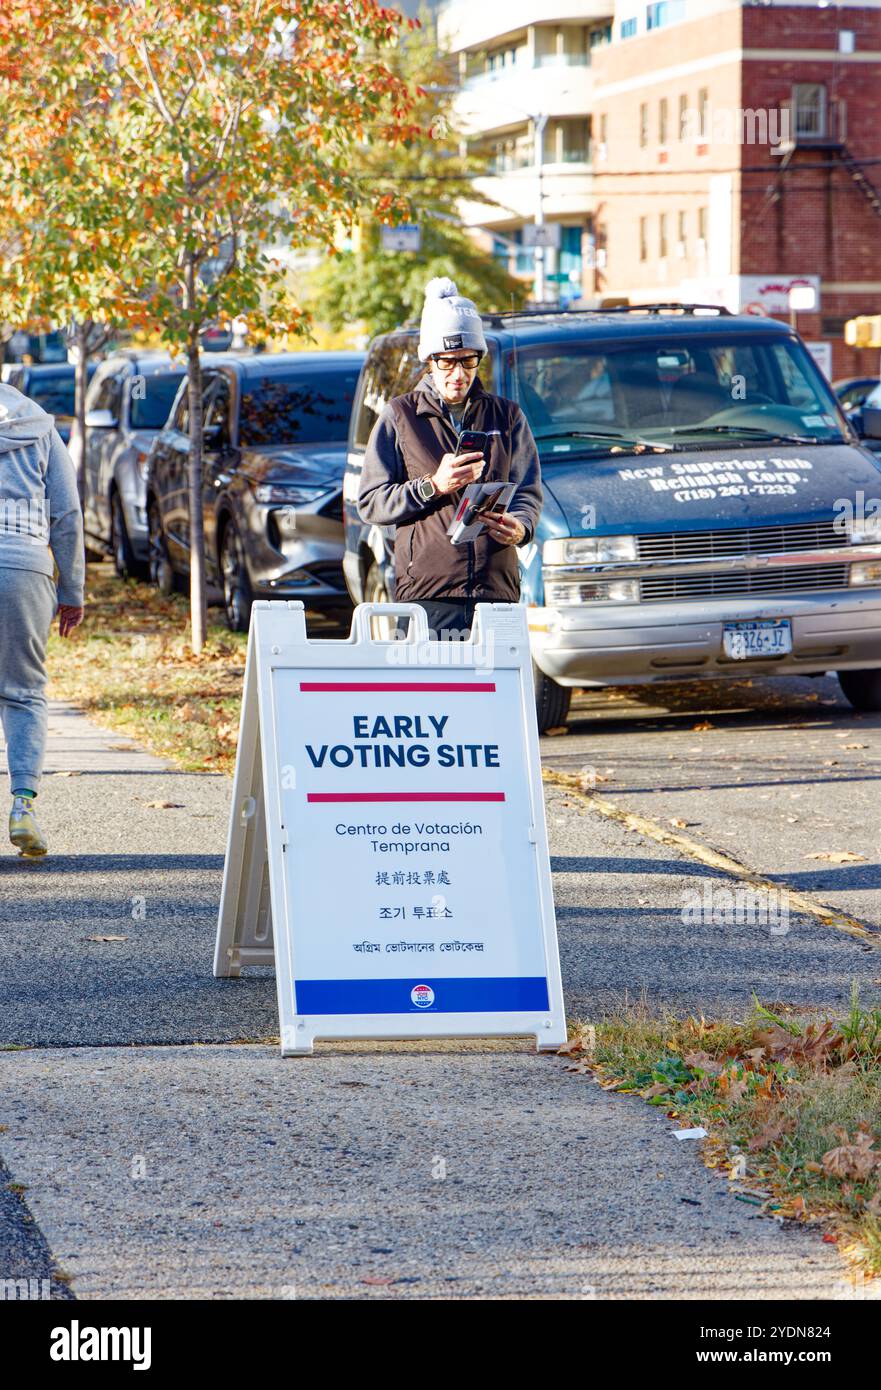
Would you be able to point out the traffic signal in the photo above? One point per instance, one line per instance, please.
(863, 331)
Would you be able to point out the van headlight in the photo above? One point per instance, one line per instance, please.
(561, 592)
(589, 550)
(866, 572)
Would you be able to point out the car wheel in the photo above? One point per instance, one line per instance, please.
(551, 701)
(376, 591)
(123, 555)
(861, 688)
(161, 570)
(238, 596)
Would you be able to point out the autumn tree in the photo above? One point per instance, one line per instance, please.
(385, 288)
(228, 129)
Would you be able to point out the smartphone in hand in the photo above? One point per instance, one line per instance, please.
(474, 441)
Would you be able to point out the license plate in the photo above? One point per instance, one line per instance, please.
(741, 641)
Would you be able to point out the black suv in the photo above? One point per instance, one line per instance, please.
(274, 431)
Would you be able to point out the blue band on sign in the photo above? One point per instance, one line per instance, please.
(503, 994)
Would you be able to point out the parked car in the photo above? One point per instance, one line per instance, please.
(703, 495)
(127, 404)
(853, 390)
(51, 385)
(274, 430)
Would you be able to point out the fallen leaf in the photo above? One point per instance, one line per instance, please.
(838, 856)
(105, 938)
(552, 733)
(856, 745)
(702, 728)
(857, 1160)
(378, 1279)
(165, 806)
(679, 822)
(71, 772)
(770, 1133)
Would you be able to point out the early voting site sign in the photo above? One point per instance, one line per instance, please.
(387, 846)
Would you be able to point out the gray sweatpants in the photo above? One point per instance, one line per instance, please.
(27, 607)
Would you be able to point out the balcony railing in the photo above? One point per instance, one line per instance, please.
(517, 69)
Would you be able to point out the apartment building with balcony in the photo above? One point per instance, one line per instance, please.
(525, 106)
(737, 149)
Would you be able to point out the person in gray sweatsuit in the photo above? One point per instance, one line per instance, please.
(40, 520)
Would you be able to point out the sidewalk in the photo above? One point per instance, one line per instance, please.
(180, 1170)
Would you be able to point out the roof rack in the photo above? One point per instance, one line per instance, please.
(506, 315)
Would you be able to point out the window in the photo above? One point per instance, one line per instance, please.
(664, 12)
(149, 408)
(215, 408)
(643, 239)
(628, 28)
(54, 391)
(809, 109)
(683, 235)
(662, 236)
(702, 221)
(182, 411)
(643, 125)
(391, 369)
(604, 129)
(684, 383)
(297, 408)
(663, 112)
(109, 394)
(600, 36)
(703, 106)
(683, 116)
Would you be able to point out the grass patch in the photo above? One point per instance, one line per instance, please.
(793, 1110)
(130, 668)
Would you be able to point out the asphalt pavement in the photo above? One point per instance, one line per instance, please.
(201, 1163)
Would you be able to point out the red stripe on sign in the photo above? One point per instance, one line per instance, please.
(405, 796)
(445, 687)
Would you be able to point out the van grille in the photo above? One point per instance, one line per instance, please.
(788, 580)
(741, 540)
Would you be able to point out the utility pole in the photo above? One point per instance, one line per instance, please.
(538, 125)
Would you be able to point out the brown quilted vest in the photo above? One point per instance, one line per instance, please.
(427, 565)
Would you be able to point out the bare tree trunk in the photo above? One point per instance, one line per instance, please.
(78, 428)
(198, 600)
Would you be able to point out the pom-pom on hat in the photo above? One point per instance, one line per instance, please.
(449, 321)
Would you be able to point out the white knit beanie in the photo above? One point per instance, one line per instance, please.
(449, 322)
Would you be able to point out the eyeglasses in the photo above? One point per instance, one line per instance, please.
(449, 364)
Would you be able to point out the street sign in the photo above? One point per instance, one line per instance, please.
(387, 845)
(546, 234)
(406, 237)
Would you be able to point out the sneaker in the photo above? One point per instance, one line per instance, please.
(24, 832)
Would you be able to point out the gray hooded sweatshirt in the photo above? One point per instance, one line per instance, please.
(40, 516)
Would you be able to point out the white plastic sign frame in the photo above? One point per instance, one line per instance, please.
(300, 869)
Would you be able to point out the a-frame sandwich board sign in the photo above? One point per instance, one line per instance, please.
(387, 845)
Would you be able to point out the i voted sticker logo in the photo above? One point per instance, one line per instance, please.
(422, 996)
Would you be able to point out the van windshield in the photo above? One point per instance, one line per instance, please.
(683, 393)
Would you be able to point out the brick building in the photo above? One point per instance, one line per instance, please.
(737, 148)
